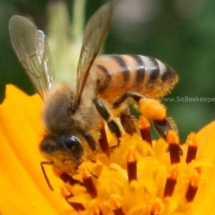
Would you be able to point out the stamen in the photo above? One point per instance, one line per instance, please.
(152, 109)
(192, 148)
(174, 147)
(116, 204)
(192, 187)
(87, 180)
(144, 126)
(103, 141)
(171, 182)
(157, 207)
(95, 207)
(132, 164)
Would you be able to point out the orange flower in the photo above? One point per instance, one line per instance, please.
(136, 178)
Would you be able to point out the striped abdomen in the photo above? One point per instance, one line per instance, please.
(117, 74)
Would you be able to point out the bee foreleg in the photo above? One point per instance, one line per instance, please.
(103, 141)
(90, 140)
(135, 96)
(112, 125)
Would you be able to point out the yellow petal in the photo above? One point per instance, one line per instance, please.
(205, 198)
(22, 185)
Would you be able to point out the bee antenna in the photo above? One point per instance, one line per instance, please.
(42, 163)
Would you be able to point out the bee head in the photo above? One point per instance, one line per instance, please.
(63, 148)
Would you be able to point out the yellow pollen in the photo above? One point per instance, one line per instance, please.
(152, 109)
(194, 179)
(143, 122)
(172, 137)
(192, 147)
(132, 155)
(191, 139)
(173, 172)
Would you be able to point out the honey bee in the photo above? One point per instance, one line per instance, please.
(74, 114)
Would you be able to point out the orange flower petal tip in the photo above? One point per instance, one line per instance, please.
(152, 109)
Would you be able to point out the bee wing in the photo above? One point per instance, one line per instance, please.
(31, 47)
(94, 35)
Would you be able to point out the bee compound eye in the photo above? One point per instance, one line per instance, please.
(48, 145)
(74, 146)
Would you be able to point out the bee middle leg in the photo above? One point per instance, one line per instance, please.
(112, 125)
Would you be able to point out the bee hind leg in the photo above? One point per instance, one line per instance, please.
(135, 96)
(127, 122)
(125, 116)
(163, 126)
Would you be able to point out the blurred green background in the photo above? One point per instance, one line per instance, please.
(179, 32)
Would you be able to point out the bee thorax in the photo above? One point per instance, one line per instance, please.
(56, 111)
(60, 119)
